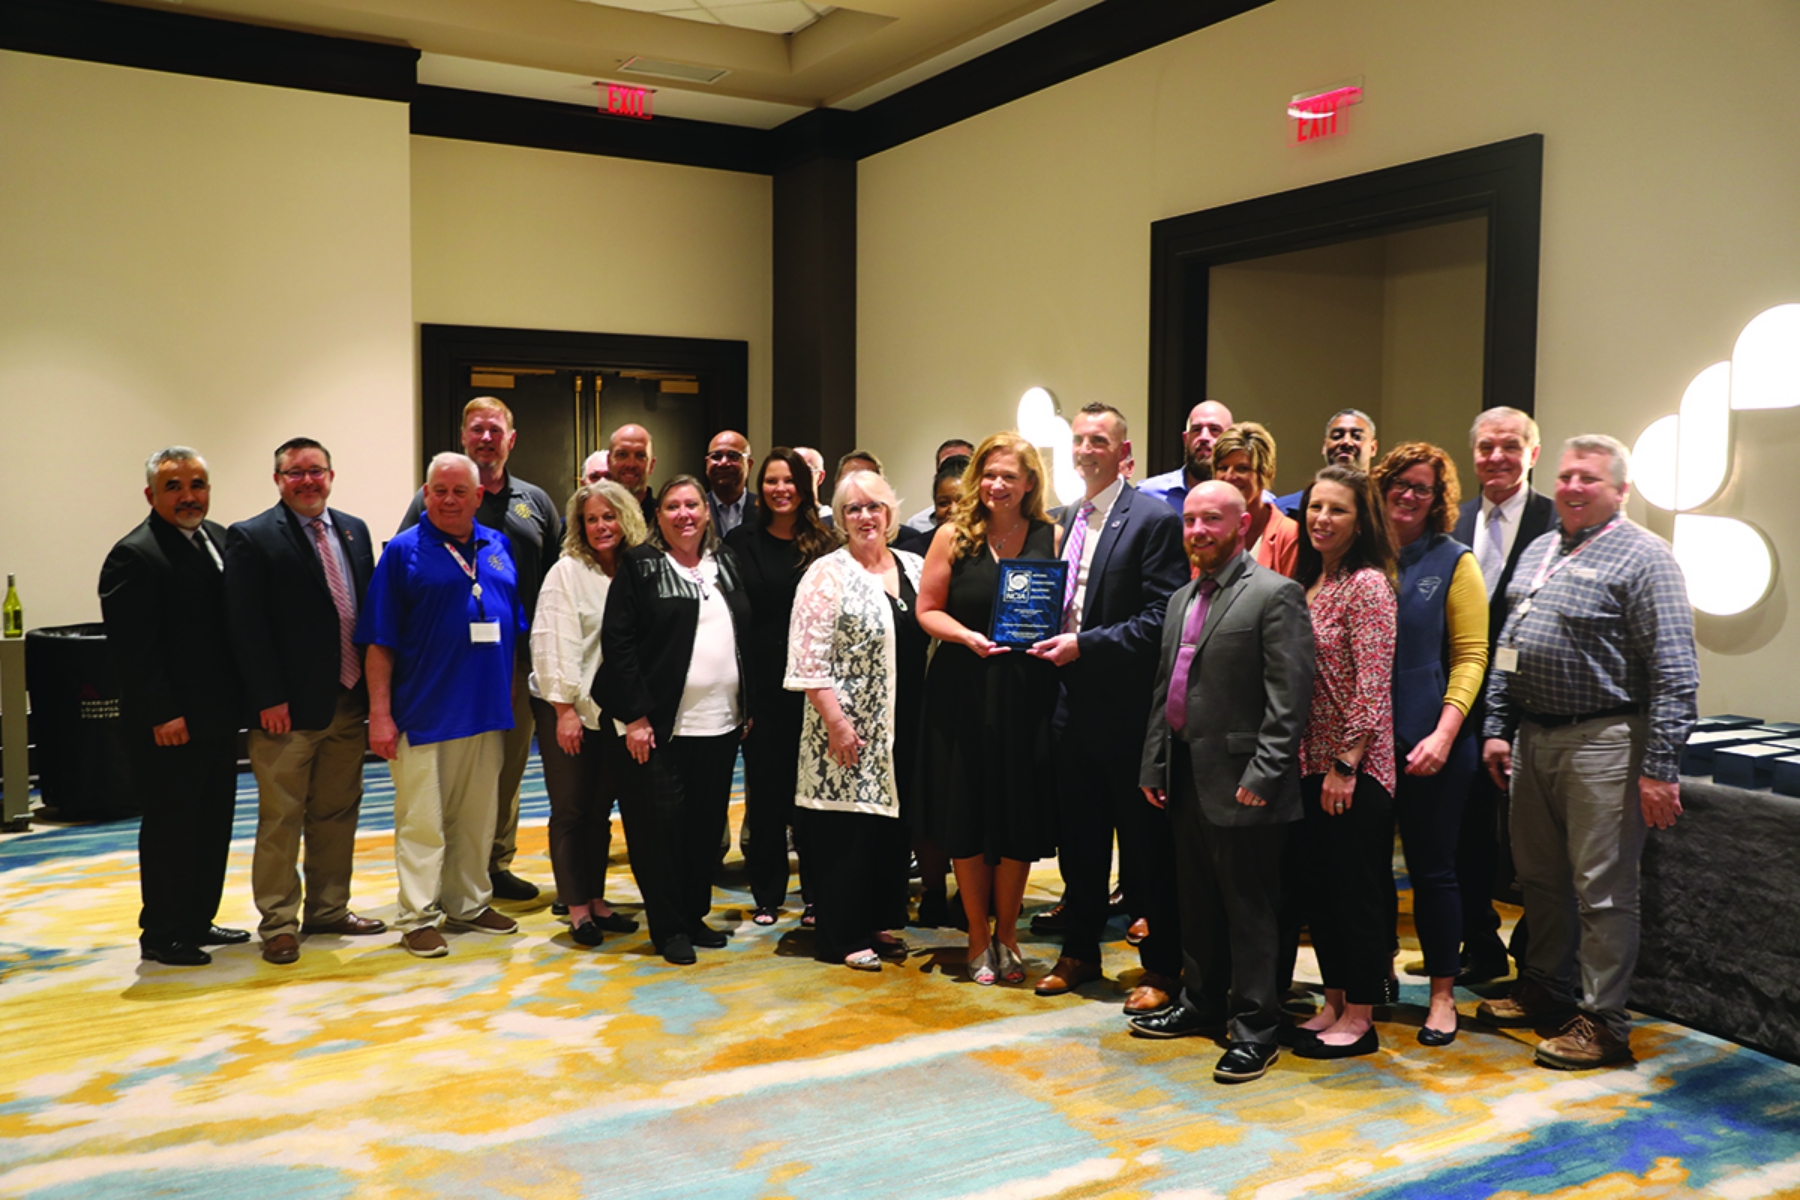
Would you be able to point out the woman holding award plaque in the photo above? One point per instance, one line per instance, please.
(856, 650)
(985, 749)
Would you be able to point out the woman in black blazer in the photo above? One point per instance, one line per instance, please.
(672, 672)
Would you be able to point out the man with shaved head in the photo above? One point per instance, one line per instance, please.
(631, 457)
(1222, 756)
(1206, 421)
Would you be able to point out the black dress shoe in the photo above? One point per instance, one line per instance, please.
(1246, 1061)
(708, 938)
(1368, 1043)
(1435, 1037)
(1050, 920)
(218, 935)
(558, 909)
(587, 933)
(174, 954)
(679, 950)
(1484, 970)
(1175, 1022)
(508, 886)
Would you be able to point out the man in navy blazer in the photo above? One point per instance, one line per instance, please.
(162, 596)
(295, 578)
(1125, 560)
(1497, 524)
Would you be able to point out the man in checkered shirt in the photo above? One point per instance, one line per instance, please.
(1590, 700)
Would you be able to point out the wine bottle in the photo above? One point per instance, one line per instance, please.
(12, 613)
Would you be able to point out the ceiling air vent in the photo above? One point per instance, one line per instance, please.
(663, 69)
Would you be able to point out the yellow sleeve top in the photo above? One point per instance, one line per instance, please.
(1466, 617)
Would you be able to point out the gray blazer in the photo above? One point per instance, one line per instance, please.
(1249, 694)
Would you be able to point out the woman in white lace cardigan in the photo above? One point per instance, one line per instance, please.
(856, 650)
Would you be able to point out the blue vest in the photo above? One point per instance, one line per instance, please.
(1421, 642)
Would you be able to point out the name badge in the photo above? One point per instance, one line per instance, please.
(484, 631)
(1506, 658)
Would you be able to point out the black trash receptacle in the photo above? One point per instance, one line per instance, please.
(84, 772)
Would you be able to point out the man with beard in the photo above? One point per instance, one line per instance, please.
(1205, 423)
(728, 464)
(1349, 442)
(1222, 753)
(162, 596)
(295, 576)
(528, 517)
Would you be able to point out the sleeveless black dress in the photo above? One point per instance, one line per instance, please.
(984, 782)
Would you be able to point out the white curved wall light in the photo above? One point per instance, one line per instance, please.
(1042, 426)
(1728, 563)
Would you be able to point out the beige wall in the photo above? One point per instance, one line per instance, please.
(536, 239)
(190, 261)
(1434, 306)
(1013, 248)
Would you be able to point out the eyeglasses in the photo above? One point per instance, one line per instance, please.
(857, 510)
(298, 474)
(1423, 491)
(725, 456)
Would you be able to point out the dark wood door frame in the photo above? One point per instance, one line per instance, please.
(447, 351)
(1503, 180)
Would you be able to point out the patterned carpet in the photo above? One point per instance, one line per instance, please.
(528, 1066)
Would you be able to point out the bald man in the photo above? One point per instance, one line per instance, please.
(631, 457)
(1206, 421)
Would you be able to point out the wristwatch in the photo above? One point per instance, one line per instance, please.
(1339, 766)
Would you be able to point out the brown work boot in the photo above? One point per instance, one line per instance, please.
(1527, 1004)
(1583, 1043)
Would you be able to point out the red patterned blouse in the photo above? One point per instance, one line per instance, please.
(1353, 619)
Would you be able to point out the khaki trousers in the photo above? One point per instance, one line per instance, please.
(516, 758)
(309, 792)
(444, 798)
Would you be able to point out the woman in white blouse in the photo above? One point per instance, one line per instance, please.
(580, 751)
(856, 650)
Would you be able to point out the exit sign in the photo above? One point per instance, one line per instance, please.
(623, 100)
(1320, 114)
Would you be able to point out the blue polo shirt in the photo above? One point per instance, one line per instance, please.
(420, 605)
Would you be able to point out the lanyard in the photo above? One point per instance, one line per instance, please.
(472, 570)
(1547, 570)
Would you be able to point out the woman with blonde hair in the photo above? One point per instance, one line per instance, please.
(1244, 457)
(985, 750)
(579, 748)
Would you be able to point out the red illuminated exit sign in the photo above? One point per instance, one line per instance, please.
(623, 100)
(1320, 114)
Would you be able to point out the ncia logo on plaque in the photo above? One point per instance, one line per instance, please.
(1018, 582)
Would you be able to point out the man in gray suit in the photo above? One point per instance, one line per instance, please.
(1222, 753)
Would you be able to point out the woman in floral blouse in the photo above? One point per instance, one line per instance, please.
(856, 650)
(1346, 564)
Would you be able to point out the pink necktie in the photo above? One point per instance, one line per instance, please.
(1072, 552)
(349, 665)
(1176, 708)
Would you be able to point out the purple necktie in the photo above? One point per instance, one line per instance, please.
(1072, 552)
(1176, 708)
(349, 665)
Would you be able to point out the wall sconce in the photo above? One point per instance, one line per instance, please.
(1041, 423)
(1681, 461)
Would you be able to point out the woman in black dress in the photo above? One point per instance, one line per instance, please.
(986, 743)
(772, 554)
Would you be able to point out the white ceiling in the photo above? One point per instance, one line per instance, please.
(768, 16)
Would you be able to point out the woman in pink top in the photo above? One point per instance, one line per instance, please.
(1346, 564)
(1244, 457)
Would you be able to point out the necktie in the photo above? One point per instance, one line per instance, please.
(204, 545)
(1176, 708)
(349, 665)
(1072, 554)
(1493, 556)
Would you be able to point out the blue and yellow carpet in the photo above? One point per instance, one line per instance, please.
(529, 1067)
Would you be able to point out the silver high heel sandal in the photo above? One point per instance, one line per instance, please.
(1011, 965)
(981, 967)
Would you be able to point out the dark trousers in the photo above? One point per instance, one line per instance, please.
(771, 766)
(1484, 869)
(672, 807)
(582, 788)
(1096, 781)
(1430, 811)
(1348, 860)
(1230, 892)
(1156, 889)
(188, 794)
(858, 873)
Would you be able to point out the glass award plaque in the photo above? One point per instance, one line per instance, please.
(1028, 601)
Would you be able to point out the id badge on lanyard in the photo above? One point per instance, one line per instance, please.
(483, 631)
(1506, 658)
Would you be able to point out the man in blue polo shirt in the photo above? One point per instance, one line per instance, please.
(440, 622)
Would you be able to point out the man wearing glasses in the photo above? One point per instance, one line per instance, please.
(1349, 442)
(728, 464)
(295, 577)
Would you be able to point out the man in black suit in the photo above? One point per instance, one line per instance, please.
(162, 596)
(1221, 751)
(295, 576)
(1497, 524)
(1124, 554)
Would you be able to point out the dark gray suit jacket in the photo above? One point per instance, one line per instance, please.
(1249, 695)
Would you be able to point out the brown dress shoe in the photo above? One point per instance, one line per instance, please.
(1583, 1043)
(1140, 929)
(1067, 975)
(1527, 1004)
(350, 925)
(425, 942)
(486, 921)
(282, 949)
(1152, 994)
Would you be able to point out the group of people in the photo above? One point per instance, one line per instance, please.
(1248, 691)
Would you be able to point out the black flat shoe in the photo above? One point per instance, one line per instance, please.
(175, 954)
(617, 923)
(1295, 1035)
(587, 933)
(1368, 1043)
(1246, 1061)
(679, 950)
(708, 938)
(1435, 1037)
(218, 935)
